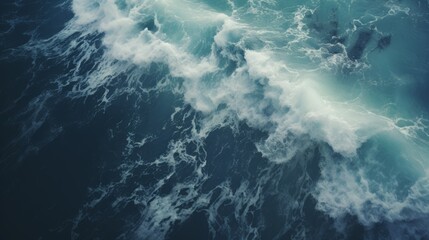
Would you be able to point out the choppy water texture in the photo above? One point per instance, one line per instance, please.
(229, 119)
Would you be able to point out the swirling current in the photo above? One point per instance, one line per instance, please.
(226, 119)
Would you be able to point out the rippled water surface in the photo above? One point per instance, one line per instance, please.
(229, 119)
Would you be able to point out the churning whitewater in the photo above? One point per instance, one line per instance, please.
(229, 119)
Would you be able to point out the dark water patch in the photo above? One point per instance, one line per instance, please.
(50, 185)
(384, 42)
(233, 157)
(55, 177)
(358, 48)
(18, 34)
(334, 36)
(273, 221)
(15, 77)
(220, 157)
(195, 227)
(104, 223)
(148, 24)
(59, 15)
(419, 91)
(291, 210)
(32, 19)
(325, 26)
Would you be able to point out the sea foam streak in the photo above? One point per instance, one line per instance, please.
(260, 73)
(287, 79)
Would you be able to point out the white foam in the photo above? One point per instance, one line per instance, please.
(295, 105)
(348, 188)
(265, 81)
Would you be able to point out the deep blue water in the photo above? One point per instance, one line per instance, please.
(230, 119)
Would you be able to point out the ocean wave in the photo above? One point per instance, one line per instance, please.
(308, 77)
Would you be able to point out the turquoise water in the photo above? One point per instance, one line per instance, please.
(218, 119)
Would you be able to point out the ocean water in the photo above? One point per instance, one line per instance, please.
(227, 119)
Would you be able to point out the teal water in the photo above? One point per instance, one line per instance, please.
(186, 119)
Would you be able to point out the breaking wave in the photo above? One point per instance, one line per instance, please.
(262, 119)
